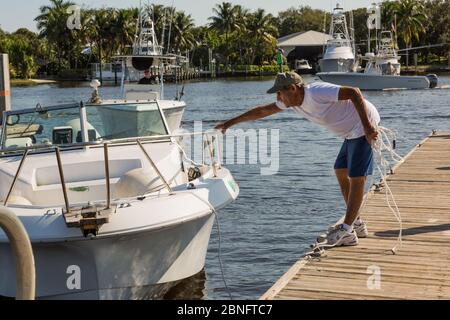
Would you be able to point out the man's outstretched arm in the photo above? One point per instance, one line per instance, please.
(251, 115)
(355, 95)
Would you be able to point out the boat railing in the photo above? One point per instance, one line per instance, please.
(339, 43)
(22, 252)
(209, 139)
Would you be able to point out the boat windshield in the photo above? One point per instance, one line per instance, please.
(42, 127)
(62, 125)
(119, 121)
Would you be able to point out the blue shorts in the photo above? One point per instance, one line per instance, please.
(356, 155)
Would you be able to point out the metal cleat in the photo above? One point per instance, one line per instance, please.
(89, 218)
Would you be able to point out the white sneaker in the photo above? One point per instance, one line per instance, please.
(339, 236)
(323, 236)
(360, 228)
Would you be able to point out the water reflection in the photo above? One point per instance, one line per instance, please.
(193, 288)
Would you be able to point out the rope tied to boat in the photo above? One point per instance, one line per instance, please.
(219, 255)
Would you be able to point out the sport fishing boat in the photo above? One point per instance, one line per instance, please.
(340, 51)
(113, 207)
(148, 57)
(382, 70)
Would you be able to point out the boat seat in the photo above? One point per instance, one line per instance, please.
(19, 200)
(137, 182)
(84, 171)
(93, 134)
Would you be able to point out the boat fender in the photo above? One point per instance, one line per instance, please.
(433, 78)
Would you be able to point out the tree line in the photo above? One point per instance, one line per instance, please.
(235, 34)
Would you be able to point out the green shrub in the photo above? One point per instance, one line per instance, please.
(73, 74)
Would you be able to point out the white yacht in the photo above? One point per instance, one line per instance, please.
(382, 71)
(339, 54)
(113, 207)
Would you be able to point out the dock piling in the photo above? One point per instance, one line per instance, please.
(5, 90)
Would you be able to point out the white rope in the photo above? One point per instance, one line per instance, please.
(219, 254)
(383, 144)
(185, 155)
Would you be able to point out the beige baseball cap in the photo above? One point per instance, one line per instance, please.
(285, 79)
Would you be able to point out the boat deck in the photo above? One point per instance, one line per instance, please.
(420, 269)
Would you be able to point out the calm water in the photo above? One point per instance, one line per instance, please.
(275, 217)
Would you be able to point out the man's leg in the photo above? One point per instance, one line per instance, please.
(344, 183)
(353, 164)
(355, 199)
(353, 192)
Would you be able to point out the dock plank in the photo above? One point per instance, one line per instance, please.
(420, 269)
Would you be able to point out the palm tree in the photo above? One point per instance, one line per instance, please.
(182, 29)
(242, 15)
(388, 13)
(101, 30)
(52, 24)
(224, 21)
(410, 21)
(125, 27)
(261, 32)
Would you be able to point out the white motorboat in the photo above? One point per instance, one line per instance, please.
(340, 52)
(113, 207)
(148, 56)
(302, 67)
(382, 71)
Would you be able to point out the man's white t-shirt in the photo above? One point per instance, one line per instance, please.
(321, 105)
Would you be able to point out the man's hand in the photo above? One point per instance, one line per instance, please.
(371, 134)
(222, 127)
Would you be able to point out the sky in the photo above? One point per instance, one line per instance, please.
(16, 14)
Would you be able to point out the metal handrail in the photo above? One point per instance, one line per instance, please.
(150, 160)
(100, 143)
(107, 176)
(25, 154)
(215, 159)
(211, 155)
(61, 176)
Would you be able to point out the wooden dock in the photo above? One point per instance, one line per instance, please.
(421, 267)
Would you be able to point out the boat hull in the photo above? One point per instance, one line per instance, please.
(375, 82)
(304, 71)
(148, 245)
(94, 268)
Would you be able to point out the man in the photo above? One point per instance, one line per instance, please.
(148, 78)
(390, 70)
(344, 112)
